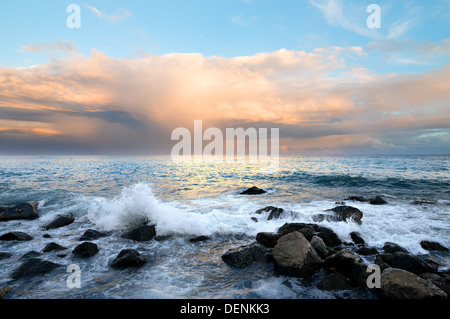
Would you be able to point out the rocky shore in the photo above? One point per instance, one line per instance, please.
(300, 250)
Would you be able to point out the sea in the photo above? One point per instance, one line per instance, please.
(113, 194)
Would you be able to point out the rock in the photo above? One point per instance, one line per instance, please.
(319, 246)
(162, 237)
(391, 248)
(244, 256)
(253, 191)
(357, 198)
(59, 221)
(30, 254)
(350, 265)
(432, 246)
(254, 219)
(377, 200)
(33, 267)
(401, 284)
(85, 250)
(17, 235)
(356, 237)
(4, 291)
(53, 247)
(309, 230)
(128, 258)
(334, 282)
(411, 263)
(436, 280)
(268, 239)
(423, 202)
(294, 256)
(142, 233)
(341, 213)
(199, 238)
(4, 255)
(46, 236)
(91, 234)
(383, 260)
(275, 212)
(26, 211)
(366, 251)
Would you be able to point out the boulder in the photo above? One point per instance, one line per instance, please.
(377, 200)
(142, 233)
(294, 256)
(59, 221)
(357, 198)
(15, 236)
(33, 267)
(333, 282)
(268, 239)
(91, 234)
(391, 248)
(366, 251)
(401, 284)
(341, 213)
(199, 238)
(53, 247)
(85, 250)
(356, 237)
(383, 260)
(309, 230)
(319, 245)
(411, 263)
(432, 246)
(253, 191)
(128, 258)
(244, 256)
(350, 265)
(18, 212)
(274, 212)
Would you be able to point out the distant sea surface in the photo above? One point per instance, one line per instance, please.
(111, 194)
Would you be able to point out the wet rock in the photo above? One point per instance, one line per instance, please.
(128, 258)
(357, 198)
(30, 254)
(377, 200)
(16, 236)
(253, 191)
(4, 291)
(254, 219)
(391, 248)
(423, 202)
(294, 256)
(274, 212)
(309, 230)
(91, 234)
(25, 211)
(53, 247)
(432, 246)
(268, 239)
(319, 245)
(142, 233)
(199, 238)
(401, 284)
(244, 256)
(33, 267)
(436, 280)
(341, 213)
(334, 282)
(356, 237)
(411, 263)
(47, 236)
(162, 237)
(4, 255)
(348, 264)
(85, 250)
(59, 221)
(366, 251)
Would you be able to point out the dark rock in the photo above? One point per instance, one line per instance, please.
(366, 251)
(254, 219)
(436, 280)
(85, 250)
(142, 233)
(268, 239)
(377, 200)
(411, 263)
(91, 234)
(162, 237)
(17, 235)
(401, 284)
(423, 202)
(47, 236)
(59, 221)
(199, 238)
(30, 254)
(319, 245)
(391, 248)
(33, 267)
(294, 256)
(333, 282)
(128, 258)
(18, 212)
(253, 191)
(350, 265)
(356, 237)
(4, 255)
(53, 247)
(244, 256)
(275, 212)
(357, 198)
(432, 246)
(341, 213)
(309, 230)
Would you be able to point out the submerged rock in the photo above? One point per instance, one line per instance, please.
(59, 221)
(377, 200)
(16, 236)
(357, 198)
(91, 234)
(341, 213)
(18, 212)
(85, 250)
(253, 191)
(275, 212)
(199, 238)
(53, 247)
(309, 230)
(142, 233)
(128, 258)
(423, 202)
(244, 256)
(294, 256)
(4, 255)
(33, 267)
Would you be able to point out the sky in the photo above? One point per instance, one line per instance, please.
(133, 71)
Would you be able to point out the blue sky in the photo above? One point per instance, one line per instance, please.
(313, 68)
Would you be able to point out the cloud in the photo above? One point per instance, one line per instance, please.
(120, 14)
(50, 48)
(318, 99)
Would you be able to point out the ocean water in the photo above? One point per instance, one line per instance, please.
(112, 194)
